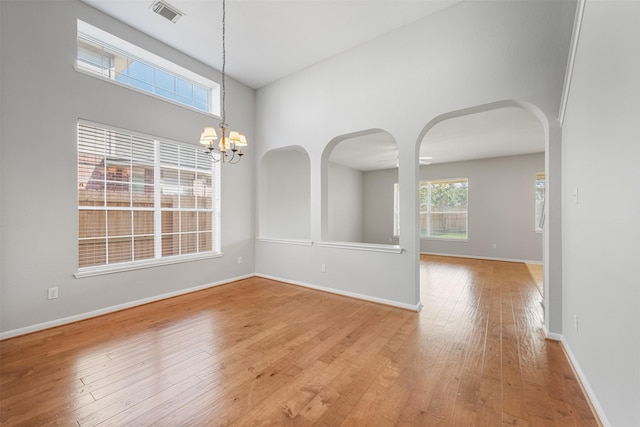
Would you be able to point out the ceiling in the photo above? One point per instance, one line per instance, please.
(269, 39)
(500, 132)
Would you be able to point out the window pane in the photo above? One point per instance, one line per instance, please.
(170, 222)
(170, 183)
(92, 223)
(92, 252)
(187, 198)
(200, 95)
(165, 81)
(188, 222)
(185, 101)
(119, 250)
(119, 223)
(188, 243)
(141, 72)
(170, 244)
(184, 89)
(142, 196)
(443, 209)
(143, 222)
(143, 247)
(204, 242)
(204, 221)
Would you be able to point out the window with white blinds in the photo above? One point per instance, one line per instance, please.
(142, 200)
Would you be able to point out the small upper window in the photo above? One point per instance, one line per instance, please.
(108, 56)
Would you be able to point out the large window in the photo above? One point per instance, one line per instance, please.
(540, 186)
(143, 201)
(110, 57)
(444, 209)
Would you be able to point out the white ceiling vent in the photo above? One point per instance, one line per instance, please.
(165, 10)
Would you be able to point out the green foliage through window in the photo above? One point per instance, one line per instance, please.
(444, 209)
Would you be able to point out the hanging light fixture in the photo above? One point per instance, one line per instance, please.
(229, 149)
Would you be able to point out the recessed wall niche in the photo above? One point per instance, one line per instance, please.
(284, 194)
(359, 201)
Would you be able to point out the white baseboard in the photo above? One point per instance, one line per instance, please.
(413, 307)
(483, 257)
(585, 383)
(106, 310)
(552, 335)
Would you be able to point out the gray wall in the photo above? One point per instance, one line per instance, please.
(378, 206)
(285, 195)
(345, 198)
(601, 229)
(42, 99)
(501, 208)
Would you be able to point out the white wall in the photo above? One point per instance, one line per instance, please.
(285, 195)
(501, 208)
(471, 54)
(345, 204)
(42, 99)
(601, 232)
(378, 206)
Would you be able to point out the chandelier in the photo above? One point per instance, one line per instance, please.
(229, 149)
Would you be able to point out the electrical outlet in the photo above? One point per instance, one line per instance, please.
(239, 260)
(494, 246)
(323, 268)
(52, 293)
(575, 321)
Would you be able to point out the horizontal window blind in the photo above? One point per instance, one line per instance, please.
(141, 199)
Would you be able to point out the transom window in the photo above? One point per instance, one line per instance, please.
(444, 209)
(142, 200)
(112, 58)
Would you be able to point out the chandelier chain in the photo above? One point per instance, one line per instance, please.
(224, 61)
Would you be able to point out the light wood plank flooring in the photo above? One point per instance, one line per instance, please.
(259, 352)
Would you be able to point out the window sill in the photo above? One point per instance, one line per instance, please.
(438, 239)
(392, 249)
(284, 241)
(129, 266)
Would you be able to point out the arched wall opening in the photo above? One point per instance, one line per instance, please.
(284, 194)
(551, 233)
(360, 188)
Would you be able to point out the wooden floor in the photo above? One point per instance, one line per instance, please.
(259, 352)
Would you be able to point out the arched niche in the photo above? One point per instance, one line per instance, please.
(360, 176)
(284, 194)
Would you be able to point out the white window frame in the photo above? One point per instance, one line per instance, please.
(157, 209)
(396, 209)
(130, 51)
(428, 184)
(539, 203)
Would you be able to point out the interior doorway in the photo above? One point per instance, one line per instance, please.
(498, 150)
